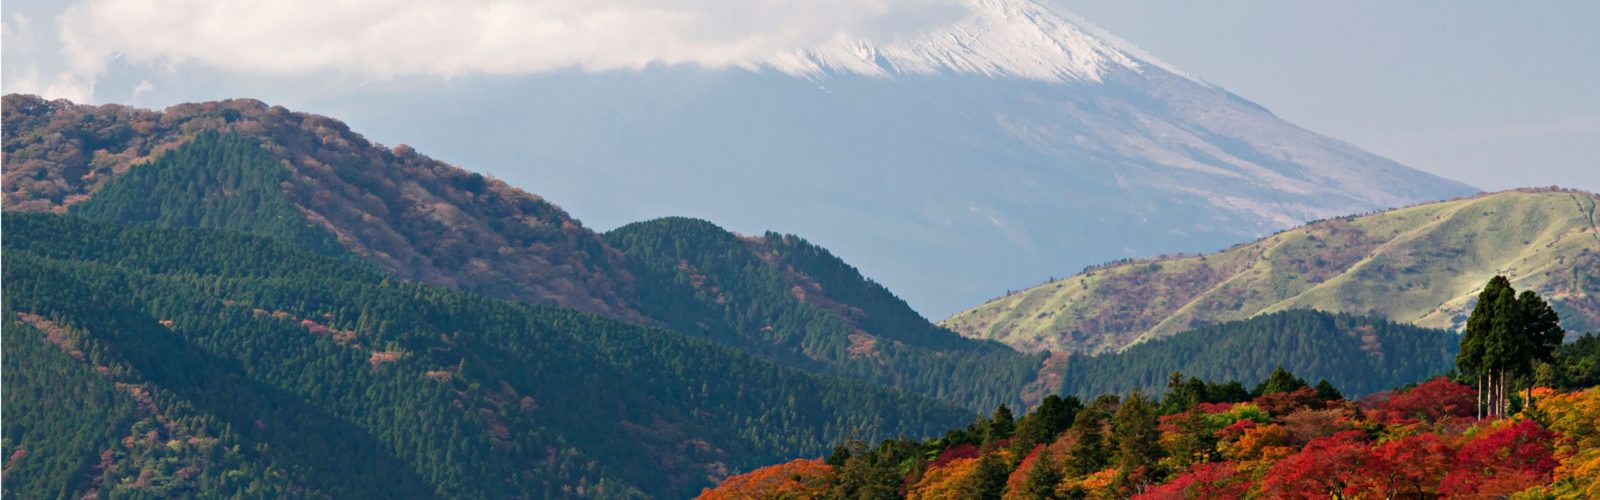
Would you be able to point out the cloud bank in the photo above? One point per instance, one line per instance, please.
(392, 38)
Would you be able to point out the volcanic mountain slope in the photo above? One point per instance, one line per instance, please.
(1422, 265)
(417, 217)
(1000, 146)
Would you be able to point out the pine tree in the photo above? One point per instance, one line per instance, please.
(1135, 437)
(991, 480)
(1088, 452)
(1327, 392)
(1042, 479)
(1279, 381)
(1053, 416)
(1000, 425)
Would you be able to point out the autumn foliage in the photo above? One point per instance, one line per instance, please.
(796, 479)
(1420, 442)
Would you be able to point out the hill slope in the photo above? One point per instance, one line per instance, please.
(1359, 355)
(420, 218)
(208, 363)
(226, 180)
(782, 298)
(1422, 265)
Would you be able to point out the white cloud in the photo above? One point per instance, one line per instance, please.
(389, 38)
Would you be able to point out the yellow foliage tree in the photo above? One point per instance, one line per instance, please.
(1576, 416)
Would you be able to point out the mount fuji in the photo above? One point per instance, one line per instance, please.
(1015, 144)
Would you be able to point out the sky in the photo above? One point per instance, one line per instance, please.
(1494, 94)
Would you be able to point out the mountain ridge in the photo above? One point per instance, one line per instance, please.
(420, 218)
(1420, 264)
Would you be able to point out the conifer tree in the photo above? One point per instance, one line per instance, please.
(1000, 425)
(1279, 381)
(1088, 452)
(1043, 478)
(1135, 436)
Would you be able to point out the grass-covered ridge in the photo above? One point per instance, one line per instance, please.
(1422, 265)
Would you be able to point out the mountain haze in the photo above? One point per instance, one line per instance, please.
(1017, 143)
(1423, 265)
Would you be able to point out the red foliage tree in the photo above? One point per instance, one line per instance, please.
(1410, 467)
(951, 454)
(1326, 466)
(1206, 480)
(1284, 403)
(1504, 461)
(1431, 401)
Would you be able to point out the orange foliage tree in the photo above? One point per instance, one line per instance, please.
(796, 479)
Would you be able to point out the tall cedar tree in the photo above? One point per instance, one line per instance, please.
(1505, 334)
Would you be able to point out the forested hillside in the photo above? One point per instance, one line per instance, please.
(1422, 265)
(795, 303)
(308, 181)
(420, 218)
(203, 363)
(1359, 355)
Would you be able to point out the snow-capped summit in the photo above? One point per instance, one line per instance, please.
(999, 38)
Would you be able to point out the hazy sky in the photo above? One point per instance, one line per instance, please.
(1495, 94)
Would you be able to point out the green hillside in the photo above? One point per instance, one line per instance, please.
(1359, 355)
(202, 363)
(787, 300)
(308, 177)
(1421, 265)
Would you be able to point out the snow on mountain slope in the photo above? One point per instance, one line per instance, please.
(1001, 38)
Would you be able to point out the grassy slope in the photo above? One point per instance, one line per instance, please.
(1422, 265)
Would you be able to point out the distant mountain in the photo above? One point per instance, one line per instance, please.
(206, 363)
(1016, 143)
(1422, 265)
(782, 298)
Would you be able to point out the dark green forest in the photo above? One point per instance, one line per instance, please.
(787, 300)
(213, 181)
(312, 372)
(1358, 354)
